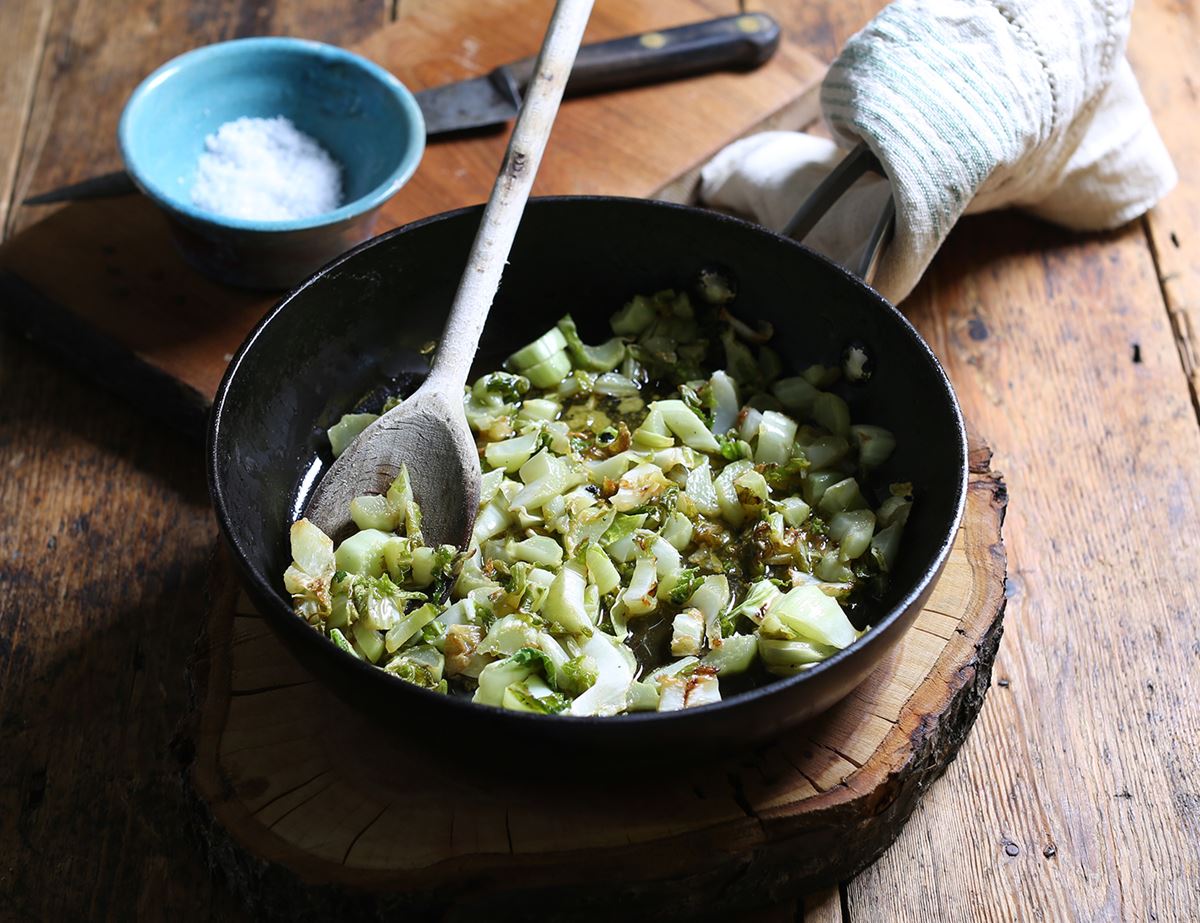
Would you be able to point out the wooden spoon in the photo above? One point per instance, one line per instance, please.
(429, 430)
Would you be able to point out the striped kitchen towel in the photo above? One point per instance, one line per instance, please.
(970, 105)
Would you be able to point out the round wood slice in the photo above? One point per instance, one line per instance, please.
(312, 813)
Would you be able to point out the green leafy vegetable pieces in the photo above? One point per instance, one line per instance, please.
(719, 521)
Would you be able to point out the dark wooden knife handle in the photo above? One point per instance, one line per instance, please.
(729, 43)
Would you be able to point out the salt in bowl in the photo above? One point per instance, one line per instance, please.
(362, 115)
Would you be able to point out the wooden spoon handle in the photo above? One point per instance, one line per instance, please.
(504, 207)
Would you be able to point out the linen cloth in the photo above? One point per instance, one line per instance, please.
(970, 105)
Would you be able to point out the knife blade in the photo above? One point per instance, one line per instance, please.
(742, 42)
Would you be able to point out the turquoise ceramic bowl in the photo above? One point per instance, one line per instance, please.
(367, 120)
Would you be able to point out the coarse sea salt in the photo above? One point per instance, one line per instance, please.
(266, 170)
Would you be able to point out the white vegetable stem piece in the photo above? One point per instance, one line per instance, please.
(429, 431)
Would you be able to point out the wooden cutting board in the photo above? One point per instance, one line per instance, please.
(101, 283)
(310, 813)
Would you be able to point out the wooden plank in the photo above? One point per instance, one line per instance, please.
(612, 143)
(1086, 749)
(1162, 33)
(101, 587)
(23, 25)
(1078, 762)
(103, 558)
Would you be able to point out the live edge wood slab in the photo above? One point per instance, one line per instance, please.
(312, 813)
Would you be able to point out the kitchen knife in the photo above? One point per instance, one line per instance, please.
(728, 43)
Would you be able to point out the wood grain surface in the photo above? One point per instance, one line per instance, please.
(609, 143)
(1076, 796)
(104, 544)
(311, 809)
(1167, 32)
(23, 25)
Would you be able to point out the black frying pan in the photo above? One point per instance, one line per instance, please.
(359, 324)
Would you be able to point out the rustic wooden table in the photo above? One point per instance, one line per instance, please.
(1077, 796)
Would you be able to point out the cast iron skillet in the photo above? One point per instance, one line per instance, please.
(361, 322)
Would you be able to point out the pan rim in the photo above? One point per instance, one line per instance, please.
(282, 615)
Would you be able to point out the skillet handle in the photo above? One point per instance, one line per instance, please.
(853, 166)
